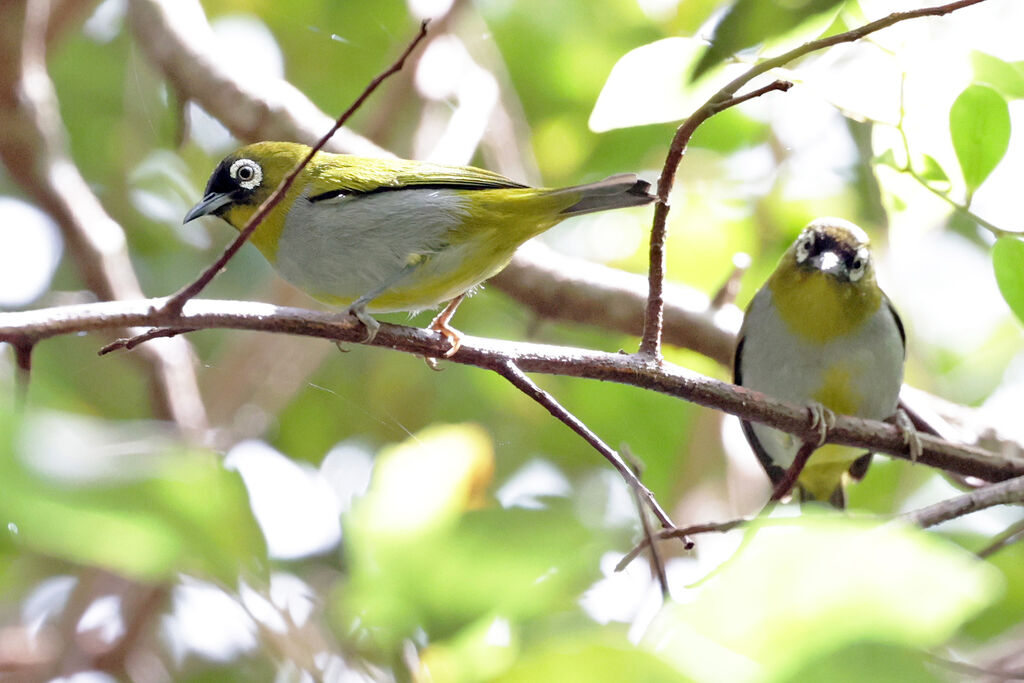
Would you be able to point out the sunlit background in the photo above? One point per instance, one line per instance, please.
(357, 517)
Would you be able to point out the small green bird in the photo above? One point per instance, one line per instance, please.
(821, 332)
(382, 235)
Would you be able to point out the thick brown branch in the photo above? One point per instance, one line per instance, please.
(34, 149)
(176, 37)
(1003, 493)
(563, 288)
(666, 378)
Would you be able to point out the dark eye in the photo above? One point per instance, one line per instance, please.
(247, 172)
(858, 265)
(804, 244)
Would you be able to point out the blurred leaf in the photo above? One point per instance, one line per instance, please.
(730, 131)
(510, 562)
(419, 560)
(648, 84)
(1007, 612)
(595, 660)
(1008, 261)
(1006, 77)
(875, 662)
(799, 589)
(188, 514)
(426, 482)
(888, 158)
(750, 22)
(481, 651)
(979, 122)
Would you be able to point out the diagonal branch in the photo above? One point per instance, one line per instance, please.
(34, 149)
(175, 303)
(513, 374)
(1006, 492)
(650, 345)
(176, 37)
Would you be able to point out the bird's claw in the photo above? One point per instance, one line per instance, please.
(440, 324)
(822, 420)
(911, 438)
(368, 321)
(452, 335)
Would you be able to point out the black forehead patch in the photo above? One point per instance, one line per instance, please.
(835, 239)
(221, 180)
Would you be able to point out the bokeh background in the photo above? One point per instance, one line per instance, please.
(356, 516)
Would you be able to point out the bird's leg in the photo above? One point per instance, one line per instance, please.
(910, 436)
(358, 307)
(788, 481)
(821, 420)
(440, 324)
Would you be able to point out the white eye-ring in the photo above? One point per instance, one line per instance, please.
(247, 172)
(859, 264)
(803, 246)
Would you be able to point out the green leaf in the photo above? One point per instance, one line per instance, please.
(930, 170)
(1008, 261)
(979, 122)
(801, 588)
(185, 513)
(751, 22)
(595, 660)
(422, 557)
(649, 84)
(1007, 612)
(1006, 77)
(868, 661)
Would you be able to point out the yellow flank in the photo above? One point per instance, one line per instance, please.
(836, 392)
(818, 307)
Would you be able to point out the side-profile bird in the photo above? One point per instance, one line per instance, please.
(821, 332)
(382, 235)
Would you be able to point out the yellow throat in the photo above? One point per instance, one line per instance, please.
(818, 307)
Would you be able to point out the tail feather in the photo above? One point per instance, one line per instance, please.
(615, 192)
(836, 500)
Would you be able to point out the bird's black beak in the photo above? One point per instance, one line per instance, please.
(211, 203)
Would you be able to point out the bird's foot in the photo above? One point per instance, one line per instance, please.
(440, 325)
(371, 324)
(821, 421)
(911, 438)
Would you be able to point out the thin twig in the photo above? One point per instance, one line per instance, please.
(645, 525)
(789, 480)
(726, 294)
(175, 303)
(510, 371)
(650, 345)
(129, 343)
(177, 39)
(1006, 492)
(682, 532)
(23, 359)
(1011, 534)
